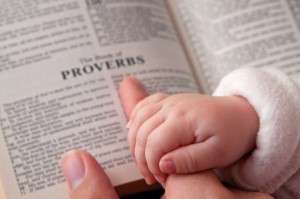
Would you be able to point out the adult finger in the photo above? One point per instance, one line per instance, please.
(237, 194)
(131, 92)
(204, 185)
(85, 178)
(152, 99)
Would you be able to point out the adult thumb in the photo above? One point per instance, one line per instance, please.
(85, 178)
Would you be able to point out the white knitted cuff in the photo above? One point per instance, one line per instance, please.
(277, 102)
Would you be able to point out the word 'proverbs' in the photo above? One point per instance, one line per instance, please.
(100, 66)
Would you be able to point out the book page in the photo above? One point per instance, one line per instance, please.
(228, 34)
(2, 196)
(60, 66)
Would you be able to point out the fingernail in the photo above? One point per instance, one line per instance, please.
(73, 168)
(168, 166)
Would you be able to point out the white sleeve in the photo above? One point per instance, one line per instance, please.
(274, 165)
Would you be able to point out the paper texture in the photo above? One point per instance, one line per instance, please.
(60, 65)
(227, 34)
(2, 196)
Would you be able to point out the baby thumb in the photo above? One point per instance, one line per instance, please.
(85, 178)
(189, 159)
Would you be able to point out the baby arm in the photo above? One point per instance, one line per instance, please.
(274, 165)
(186, 133)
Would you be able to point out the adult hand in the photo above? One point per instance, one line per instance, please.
(86, 179)
(204, 185)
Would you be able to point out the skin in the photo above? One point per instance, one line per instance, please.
(185, 133)
(96, 185)
(204, 185)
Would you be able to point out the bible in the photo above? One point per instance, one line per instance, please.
(61, 63)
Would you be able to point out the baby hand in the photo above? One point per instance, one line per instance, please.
(186, 133)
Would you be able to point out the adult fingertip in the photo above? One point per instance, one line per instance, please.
(85, 177)
(131, 91)
(131, 83)
(130, 78)
(73, 169)
(127, 80)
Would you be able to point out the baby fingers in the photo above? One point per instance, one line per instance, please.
(166, 138)
(142, 116)
(143, 110)
(193, 158)
(141, 139)
(152, 99)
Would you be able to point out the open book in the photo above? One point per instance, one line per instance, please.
(61, 63)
